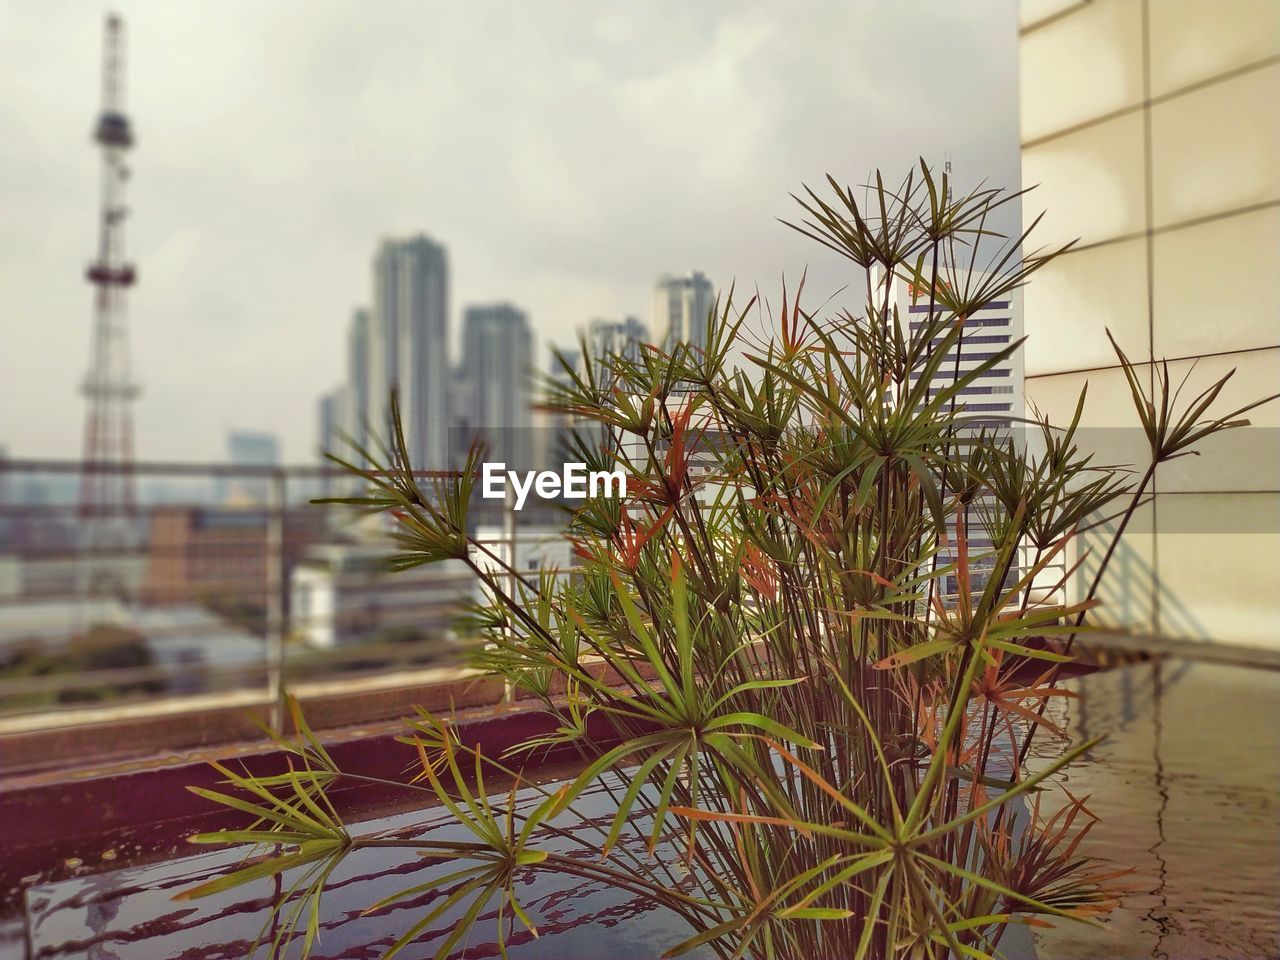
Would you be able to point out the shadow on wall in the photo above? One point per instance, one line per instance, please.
(1133, 595)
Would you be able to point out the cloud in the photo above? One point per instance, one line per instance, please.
(565, 152)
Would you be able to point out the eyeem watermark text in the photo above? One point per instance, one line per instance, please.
(574, 482)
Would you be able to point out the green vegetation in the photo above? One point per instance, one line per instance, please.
(830, 762)
(103, 647)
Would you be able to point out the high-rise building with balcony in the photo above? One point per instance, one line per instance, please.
(409, 346)
(497, 366)
(681, 307)
(1149, 132)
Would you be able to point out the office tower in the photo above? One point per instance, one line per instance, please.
(409, 346)
(249, 449)
(561, 428)
(1160, 160)
(681, 307)
(333, 419)
(460, 414)
(992, 403)
(995, 399)
(608, 336)
(497, 363)
(355, 408)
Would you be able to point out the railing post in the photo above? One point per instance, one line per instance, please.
(276, 585)
(509, 543)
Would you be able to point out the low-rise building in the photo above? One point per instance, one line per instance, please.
(197, 554)
(343, 593)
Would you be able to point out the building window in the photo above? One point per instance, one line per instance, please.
(946, 374)
(965, 355)
(925, 307)
(972, 322)
(988, 338)
(966, 391)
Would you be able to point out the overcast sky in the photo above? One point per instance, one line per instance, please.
(565, 153)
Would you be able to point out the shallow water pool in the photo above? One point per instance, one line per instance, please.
(1186, 785)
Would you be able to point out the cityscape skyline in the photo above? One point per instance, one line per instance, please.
(490, 393)
(971, 500)
(252, 220)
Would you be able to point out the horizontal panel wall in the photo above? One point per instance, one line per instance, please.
(1214, 149)
(1216, 285)
(1194, 40)
(1077, 298)
(1216, 582)
(1174, 193)
(1089, 183)
(1056, 93)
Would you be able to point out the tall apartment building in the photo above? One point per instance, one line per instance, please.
(497, 366)
(197, 555)
(1149, 128)
(681, 306)
(409, 346)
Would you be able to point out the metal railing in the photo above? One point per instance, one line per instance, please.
(229, 584)
(233, 589)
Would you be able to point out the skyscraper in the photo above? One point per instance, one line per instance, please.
(497, 364)
(681, 306)
(996, 395)
(355, 407)
(993, 402)
(409, 346)
(249, 449)
(333, 420)
(623, 336)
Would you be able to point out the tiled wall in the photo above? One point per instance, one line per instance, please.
(1152, 129)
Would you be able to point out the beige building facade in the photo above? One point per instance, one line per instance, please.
(1151, 132)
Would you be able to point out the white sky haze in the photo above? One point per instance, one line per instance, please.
(566, 153)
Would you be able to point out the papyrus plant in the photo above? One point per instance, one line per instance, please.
(814, 747)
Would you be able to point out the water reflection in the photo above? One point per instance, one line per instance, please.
(1186, 786)
(129, 914)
